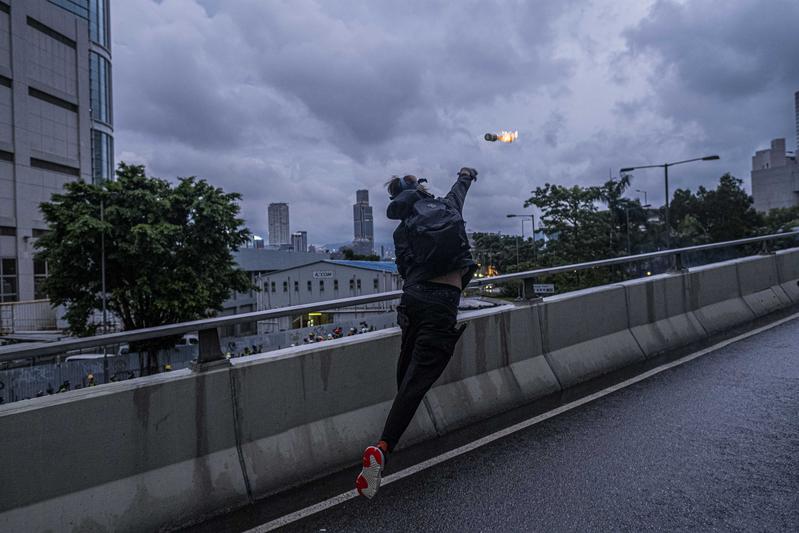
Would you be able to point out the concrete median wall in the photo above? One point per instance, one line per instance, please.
(163, 451)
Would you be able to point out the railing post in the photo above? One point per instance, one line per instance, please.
(210, 353)
(764, 249)
(678, 266)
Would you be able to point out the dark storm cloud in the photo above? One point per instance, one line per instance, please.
(306, 101)
(728, 68)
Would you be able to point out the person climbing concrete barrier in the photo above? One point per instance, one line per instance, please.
(160, 451)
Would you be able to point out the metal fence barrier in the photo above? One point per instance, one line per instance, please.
(209, 347)
(35, 315)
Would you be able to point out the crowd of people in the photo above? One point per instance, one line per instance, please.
(337, 333)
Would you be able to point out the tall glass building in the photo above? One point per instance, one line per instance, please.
(96, 13)
(56, 121)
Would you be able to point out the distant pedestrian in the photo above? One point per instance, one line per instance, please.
(434, 261)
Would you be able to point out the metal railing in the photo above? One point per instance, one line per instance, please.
(209, 348)
(34, 315)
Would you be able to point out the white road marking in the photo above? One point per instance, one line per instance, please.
(466, 448)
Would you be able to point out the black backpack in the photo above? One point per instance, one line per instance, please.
(436, 233)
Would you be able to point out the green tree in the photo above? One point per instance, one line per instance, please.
(168, 250)
(712, 215)
(782, 219)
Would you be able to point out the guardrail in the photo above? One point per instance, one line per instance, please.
(209, 347)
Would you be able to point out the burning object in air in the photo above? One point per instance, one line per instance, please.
(503, 136)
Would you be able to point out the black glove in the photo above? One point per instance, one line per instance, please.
(469, 172)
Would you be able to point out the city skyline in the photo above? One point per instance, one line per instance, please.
(589, 87)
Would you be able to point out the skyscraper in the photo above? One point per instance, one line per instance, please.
(363, 223)
(56, 121)
(279, 224)
(299, 241)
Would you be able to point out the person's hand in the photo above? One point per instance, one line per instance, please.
(470, 172)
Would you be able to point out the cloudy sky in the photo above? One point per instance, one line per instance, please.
(306, 101)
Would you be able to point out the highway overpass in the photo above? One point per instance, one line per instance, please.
(174, 449)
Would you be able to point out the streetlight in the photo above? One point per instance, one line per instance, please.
(665, 167)
(532, 223)
(639, 190)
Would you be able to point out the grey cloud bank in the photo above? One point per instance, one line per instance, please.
(305, 102)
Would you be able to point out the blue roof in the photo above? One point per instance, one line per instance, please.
(381, 266)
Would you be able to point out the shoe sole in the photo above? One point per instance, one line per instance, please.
(368, 481)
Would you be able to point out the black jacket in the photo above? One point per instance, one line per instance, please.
(400, 208)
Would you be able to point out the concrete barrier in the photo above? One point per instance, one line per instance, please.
(658, 314)
(788, 271)
(760, 286)
(136, 455)
(307, 411)
(161, 451)
(586, 334)
(713, 294)
(498, 364)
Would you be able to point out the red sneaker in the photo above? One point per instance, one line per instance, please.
(368, 481)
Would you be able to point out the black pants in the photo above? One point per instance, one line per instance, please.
(427, 315)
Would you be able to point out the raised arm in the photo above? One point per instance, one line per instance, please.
(457, 195)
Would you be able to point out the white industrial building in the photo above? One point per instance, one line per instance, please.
(775, 173)
(326, 280)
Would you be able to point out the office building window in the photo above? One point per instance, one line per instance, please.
(98, 22)
(273, 286)
(8, 280)
(359, 283)
(335, 284)
(310, 287)
(100, 88)
(296, 286)
(352, 284)
(376, 284)
(321, 285)
(78, 7)
(102, 156)
(285, 286)
(39, 277)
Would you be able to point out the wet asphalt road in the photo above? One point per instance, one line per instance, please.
(711, 445)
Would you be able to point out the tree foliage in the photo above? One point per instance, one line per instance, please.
(167, 249)
(721, 214)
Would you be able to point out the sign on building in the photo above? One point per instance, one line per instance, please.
(322, 274)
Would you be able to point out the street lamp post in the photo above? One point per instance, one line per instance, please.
(665, 167)
(640, 190)
(532, 223)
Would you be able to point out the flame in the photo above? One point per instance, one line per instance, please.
(507, 136)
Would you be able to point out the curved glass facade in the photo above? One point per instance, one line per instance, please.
(102, 156)
(98, 22)
(100, 78)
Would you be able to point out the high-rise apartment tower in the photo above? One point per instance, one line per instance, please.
(279, 224)
(363, 224)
